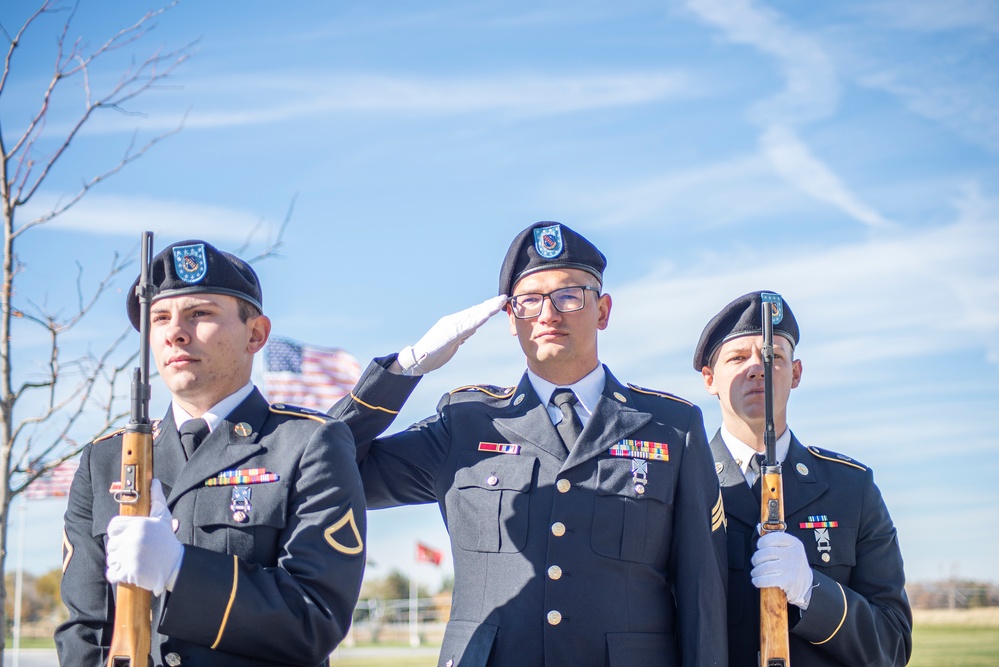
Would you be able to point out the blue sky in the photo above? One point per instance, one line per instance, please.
(843, 154)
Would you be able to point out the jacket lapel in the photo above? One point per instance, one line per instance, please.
(525, 419)
(612, 420)
(801, 480)
(168, 453)
(740, 502)
(224, 448)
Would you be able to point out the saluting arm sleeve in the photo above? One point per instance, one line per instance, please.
(372, 405)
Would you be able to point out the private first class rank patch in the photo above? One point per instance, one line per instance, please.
(344, 536)
(640, 449)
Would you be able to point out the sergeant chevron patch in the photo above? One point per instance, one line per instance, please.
(67, 551)
(344, 535)
(718, 514)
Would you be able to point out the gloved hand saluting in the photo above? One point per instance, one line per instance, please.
(143, 551)
(780, 561)
(440, 343)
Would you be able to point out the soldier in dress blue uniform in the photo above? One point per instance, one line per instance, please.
(839, 561)
(254, 547)
(586, 529)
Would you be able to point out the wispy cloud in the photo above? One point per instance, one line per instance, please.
(128, 216)
(783, 179)
(811, 89)
(794, 161)
(811, 92)
(715, 195)
(933, 16)
(968, 108)
(894, 275)
(243, 100)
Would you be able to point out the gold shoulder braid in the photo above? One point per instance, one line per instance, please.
(298, 411)
(660, 394)
(838, 458)
(488, 390)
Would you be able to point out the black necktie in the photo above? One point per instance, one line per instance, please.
(754, 466)
(570, 427)
(191, 434)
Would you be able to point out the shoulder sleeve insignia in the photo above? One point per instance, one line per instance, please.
(298, 411)
(487, 389)
(344, 536)
(718, 519)
(656, 392)
(838, 458)
(108, 436)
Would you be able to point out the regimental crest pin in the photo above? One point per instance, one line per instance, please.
(190, 262)
(548, 241)
(776, 305)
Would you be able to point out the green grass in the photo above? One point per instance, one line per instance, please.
(933, 646)
(31, 642)
(954, 646)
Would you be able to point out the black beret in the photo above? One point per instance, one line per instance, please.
(548, 245)
(196, 267)
(742, 317)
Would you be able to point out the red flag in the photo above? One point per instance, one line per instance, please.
(55, 483)
(306, 375)
(428, 555)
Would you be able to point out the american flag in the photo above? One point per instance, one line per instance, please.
(55, 483)
(305, 375)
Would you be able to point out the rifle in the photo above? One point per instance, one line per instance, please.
(132, 616)
(774, 650)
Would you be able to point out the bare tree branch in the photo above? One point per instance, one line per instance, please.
(273, 245)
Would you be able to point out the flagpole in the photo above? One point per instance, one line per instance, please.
(414, 635)
(19, 583)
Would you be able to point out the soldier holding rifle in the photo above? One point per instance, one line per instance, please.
(838, 562)
(254, 545)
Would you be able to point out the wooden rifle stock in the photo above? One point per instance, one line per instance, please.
(132, 614)
(130, 641)
(774, 648)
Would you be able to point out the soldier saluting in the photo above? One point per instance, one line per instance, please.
(838, 561)
(254, 547)
(584, 514)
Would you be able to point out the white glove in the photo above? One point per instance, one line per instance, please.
(780, 561)
(440, 343)
(143, 551)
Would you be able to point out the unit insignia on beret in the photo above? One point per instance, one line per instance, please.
(776, 306)
(548, 241)
(189, 260)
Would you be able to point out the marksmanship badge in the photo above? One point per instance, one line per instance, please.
(189, 260)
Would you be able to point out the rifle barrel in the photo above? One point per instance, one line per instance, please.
(774, 643)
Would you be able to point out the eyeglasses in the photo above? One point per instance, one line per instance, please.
(565, 300)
